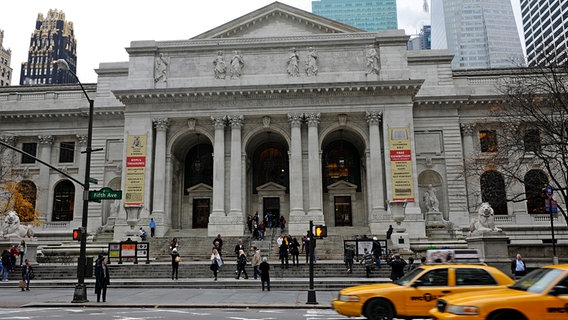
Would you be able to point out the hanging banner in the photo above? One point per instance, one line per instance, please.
(401, 164)
(135, 170)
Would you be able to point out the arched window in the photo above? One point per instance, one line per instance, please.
(270, 165)
(535, 183)
(63, 201)
(493, 191)
(199, 166)
(341, 161)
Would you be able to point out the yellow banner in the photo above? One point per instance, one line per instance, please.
(135, 170)
(401, 164)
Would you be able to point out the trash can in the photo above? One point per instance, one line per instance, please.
(89, 267)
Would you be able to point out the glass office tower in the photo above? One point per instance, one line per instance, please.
(363, 14)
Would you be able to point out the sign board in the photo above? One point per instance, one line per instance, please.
(105, 193)
(549, 190)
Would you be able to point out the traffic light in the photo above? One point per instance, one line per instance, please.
(320, 232)
(76, 234)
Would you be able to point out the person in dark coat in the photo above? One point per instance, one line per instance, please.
(368, 261)
(348, 256)
(397, 265)
(175, 263)
(102, 278)
(264, 268)
(377, 251)
(241, 264)
(283, 253)
(294, 248)
(518, 267)
(27, 274)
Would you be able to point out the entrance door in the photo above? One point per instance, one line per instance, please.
(272, 206)
(342, 206)
(201, 210)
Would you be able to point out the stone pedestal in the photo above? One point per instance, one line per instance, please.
(400, 242)
(31, 248)
(492, 247)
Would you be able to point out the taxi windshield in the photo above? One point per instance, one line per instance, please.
(538, 280)
(408, 277)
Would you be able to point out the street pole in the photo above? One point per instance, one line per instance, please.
(554, 256)
(311, 291)
(80, 294)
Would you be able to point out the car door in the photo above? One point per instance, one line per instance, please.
(425, 292)
(472, 279)
(556, 305)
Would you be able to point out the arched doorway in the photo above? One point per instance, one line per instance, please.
(63, 201)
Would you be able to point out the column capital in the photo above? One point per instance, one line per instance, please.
(47, 139)
(467, 128)
(295, 119)
(313, 119)
(236, 121)
(161, 123)
(218, 121)
(374, 117)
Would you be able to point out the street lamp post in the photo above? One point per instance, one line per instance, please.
(80, 294)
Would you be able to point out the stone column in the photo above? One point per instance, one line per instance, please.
(297, 223)
(44, 191)
(218, 213)
(374, 167)
(236, 123)
(314, 169)
(159, 192)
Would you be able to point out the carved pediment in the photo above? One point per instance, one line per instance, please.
(201, 187)
(274, 20)
(342, 185)
(270, 187)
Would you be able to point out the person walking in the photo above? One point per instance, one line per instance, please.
(216, 262)
(518, 267)
(348, 257)
(102, 278)
(283, 252)
(22, 248)
(238, 247)
(377, 252)
(397, 265)
(174, 244)
(6, 264)
(295, 252)
(27, 274)
(241, 264)
(152, 227)
(368, 261)
(265, 273)
(175, 263)
(256, 259)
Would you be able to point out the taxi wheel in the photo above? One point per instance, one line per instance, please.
(379, 310)
(506, 315)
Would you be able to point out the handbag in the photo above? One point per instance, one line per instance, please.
(31, 275)
(178, 259)
(22, 284)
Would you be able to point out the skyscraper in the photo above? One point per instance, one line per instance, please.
(363, 14)
(52, 39)
(5, 57)
(545, 24)
(479, 33)
(423, 41)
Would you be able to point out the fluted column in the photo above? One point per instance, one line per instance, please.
(44, 191)
(296, 188)
(219, 167)
(159, 199)
(374, 165)
(236, 123)
(314, 168)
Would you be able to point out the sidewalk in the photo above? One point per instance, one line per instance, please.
(166, 298)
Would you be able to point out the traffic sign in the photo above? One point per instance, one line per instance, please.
(549, 191)
(105, 194)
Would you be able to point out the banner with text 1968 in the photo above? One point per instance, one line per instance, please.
(401, 164)
(135, 170)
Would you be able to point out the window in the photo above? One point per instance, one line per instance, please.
(532, 140)
(493, 191)
(30, 148)
(63, 201)
(474, 277)
(435, 278)
(66, 152)
(488, 140)
(535, 182)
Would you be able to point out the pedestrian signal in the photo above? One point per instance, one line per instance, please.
(76, 234)
(320, 232)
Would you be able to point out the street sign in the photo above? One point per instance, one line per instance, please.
(549, 191)
(105, 194)
(93, 181)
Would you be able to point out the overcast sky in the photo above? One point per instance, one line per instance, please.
(104, 28)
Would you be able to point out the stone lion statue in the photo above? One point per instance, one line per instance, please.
(484, 222)
(13, 228)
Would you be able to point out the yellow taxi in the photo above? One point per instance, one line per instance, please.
(540, 295)
(417, 292)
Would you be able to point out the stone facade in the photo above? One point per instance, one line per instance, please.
(279, 110)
